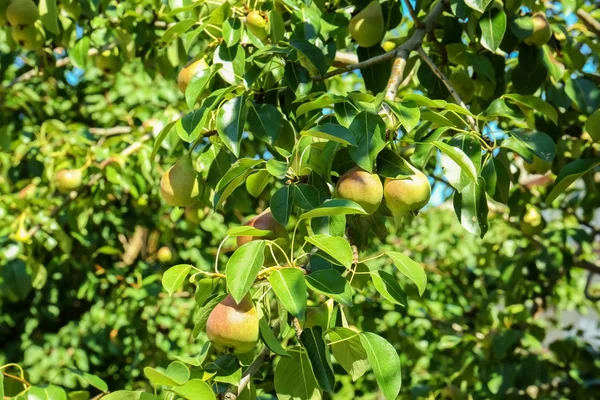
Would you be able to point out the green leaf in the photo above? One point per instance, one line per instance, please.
(387, 285)
(334, 207)
(423, 101)
(312, 53)
(225, 369)
(177, 373)
(493, 27)
(230, 123)
(177, 30)
(294, 378)
(290, 289)
(584, 93)
(277, 168)
(49, 15)
(191, 125)
(277, 27)
(408, 113)
(391, 165)
(233, 60)
(129, 395)
(385, 363)
(369, 132)
(471, 208)
(478, 5)
(457, 176)
(307, 196)
(349, 351)
(282, 204)
(270, 340)
(233, 178)
(199, 83)
(333, 132)
(173, 278)
(592, 126)
(90, 379)
(312, 340)
(46, 392)
(201, 314)
(242, 268)
(247, 231)
(409, 268)
(335, 246)
(160, 138)
(529, 143)
(298, 79)
(332, 284)
(232, 31)
(323, 101)
(78, 54)
(16, 279)
(334, 225)
(265, 122)
(195, 389)
(534, 103)
(459, 157)
(257, 182)
(569, 174)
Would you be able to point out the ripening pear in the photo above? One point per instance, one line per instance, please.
(542, 31)
(109, 61)
(29, 37)
(164, 254)
(368, 27)
(538, 166)
(188, 72)
(388, 45)
(257, 24)
(22, 13)
(532, 222)
(179, 185)
(233, 327)
(265, 221)
(68, 179)
(361, 187)
(408, 195)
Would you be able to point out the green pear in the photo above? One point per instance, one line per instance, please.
(195, 213)
(22, 13)
(532, 222)
(179, 185)
(109, 61)
(233, 327)
(68, 179)
(542, 31)
(30, 37)
(164, 254)
(408, 195)
(538, 166)
(188, 72)
(368, 27)
(361, 187)
(257, 24)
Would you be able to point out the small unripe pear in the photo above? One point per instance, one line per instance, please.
(179, 185)
(164, 254)
(368, 27)
(68, 179)
(361, 187)
(109, 61)
(532, 222)
(264, 221)
(195, 213)
(542, 31)
(29, 37)
(233, 327)
(388, 45)
(404, 196)
(21, 13)
(538, 166)
(257, 25)
(188, 72)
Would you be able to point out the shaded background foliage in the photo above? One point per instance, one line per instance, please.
(85, 291)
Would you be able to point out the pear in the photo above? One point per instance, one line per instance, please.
(265, 221)
(109, 61)
(68, 179)
(164, 254)
(542, 31)
(257, 25)
(195, 213)
(538, 166)
(361, 187)
(532, 222)
(368, 27)
(233, 327)
(22, 13)
(404, 196)
(179, 185)
(29, 37)
(188, 72)
(388, 45)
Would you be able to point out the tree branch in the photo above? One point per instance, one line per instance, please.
(451, 89)
(588, 266)
(413, 14)
(589, 21)
(413, 43)
(396, 75)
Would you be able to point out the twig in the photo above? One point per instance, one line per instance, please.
(16, 378)
(589, 21)
(411, 44)
(344, 58)
(95, 178)
(413, 14)
(252, 369)
(587, 266)
(446, 81)
(117, 130)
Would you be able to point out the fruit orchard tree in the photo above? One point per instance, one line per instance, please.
(272, 160)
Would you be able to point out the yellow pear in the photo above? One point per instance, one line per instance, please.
(404, 196)
(188, 72)
(29, 37)
(68, 179)
(179, 185)
(21, 13)
(164, 254)
(532, 222)
(368, 27)
(542, 31)
(233, 327)
(361, 187)
(257, 24)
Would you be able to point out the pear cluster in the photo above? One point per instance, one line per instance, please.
(24, 18)
(404, 195)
